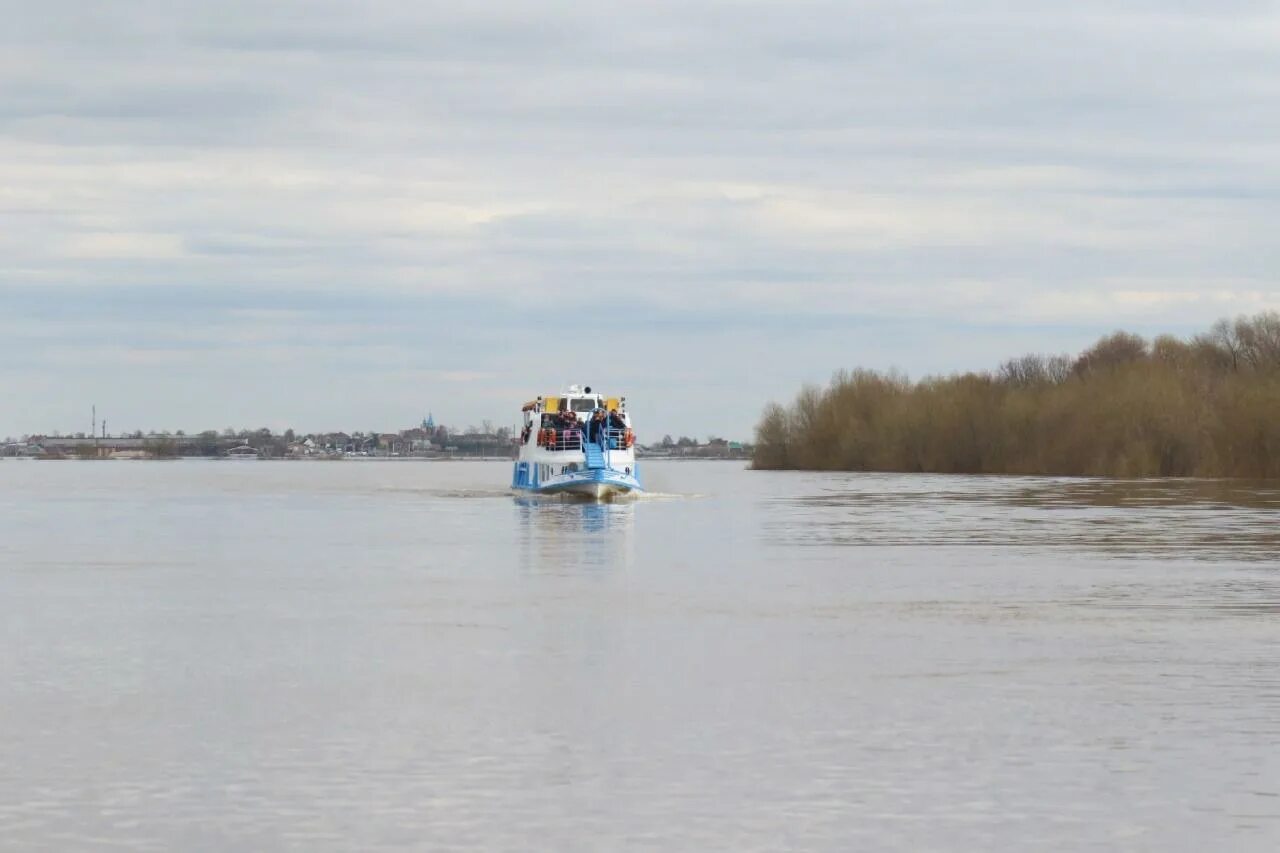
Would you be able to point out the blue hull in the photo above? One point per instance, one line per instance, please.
(592, 483)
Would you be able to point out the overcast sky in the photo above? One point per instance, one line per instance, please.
(345, 215)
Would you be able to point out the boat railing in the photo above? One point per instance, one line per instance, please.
(617, 439)
(573, 439)
(565, 439)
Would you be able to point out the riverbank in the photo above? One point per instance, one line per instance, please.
(1125, 407)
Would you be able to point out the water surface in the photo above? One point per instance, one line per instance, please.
(390, 655)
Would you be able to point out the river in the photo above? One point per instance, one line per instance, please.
(205, 655)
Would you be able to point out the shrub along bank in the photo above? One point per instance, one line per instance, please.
(1125, 407)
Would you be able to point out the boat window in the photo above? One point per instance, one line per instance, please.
(585, 405)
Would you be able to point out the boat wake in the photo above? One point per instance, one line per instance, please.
(666, 496)
(563, 497)
(453, 493)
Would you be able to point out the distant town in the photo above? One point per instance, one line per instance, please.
(427, 440)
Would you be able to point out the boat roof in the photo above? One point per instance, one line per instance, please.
(576, 394)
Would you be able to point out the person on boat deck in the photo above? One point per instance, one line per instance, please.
(615, 420)
(596, 426)
(565, 423)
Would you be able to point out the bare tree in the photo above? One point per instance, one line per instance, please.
(1223, 336)
(1024, 372)
(1259, 340)
(1112, 351)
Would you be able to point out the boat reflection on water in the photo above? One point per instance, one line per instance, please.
(560, 535)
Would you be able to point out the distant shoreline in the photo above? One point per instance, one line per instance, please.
(356, 459)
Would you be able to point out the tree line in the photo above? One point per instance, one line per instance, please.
(1208, 406)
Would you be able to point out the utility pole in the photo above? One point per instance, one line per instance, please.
(94, 430)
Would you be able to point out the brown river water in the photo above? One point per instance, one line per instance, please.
(205, 655)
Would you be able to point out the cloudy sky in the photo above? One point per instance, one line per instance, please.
(342, 215)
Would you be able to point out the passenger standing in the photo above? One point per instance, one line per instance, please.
(596, 427)
(567, 424)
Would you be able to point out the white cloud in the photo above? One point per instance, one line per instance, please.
(136, 245)
(743, 167)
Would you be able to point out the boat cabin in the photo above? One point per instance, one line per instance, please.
(549, 421)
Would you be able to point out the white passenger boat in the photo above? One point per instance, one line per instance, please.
(577, 443)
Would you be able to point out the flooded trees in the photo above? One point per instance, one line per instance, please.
(1125, 407)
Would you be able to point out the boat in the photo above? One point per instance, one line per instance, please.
(576, 443)
(243, 453)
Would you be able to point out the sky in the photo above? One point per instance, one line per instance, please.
(335, 215)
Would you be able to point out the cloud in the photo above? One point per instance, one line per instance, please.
(748, 194)
(113, 244)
